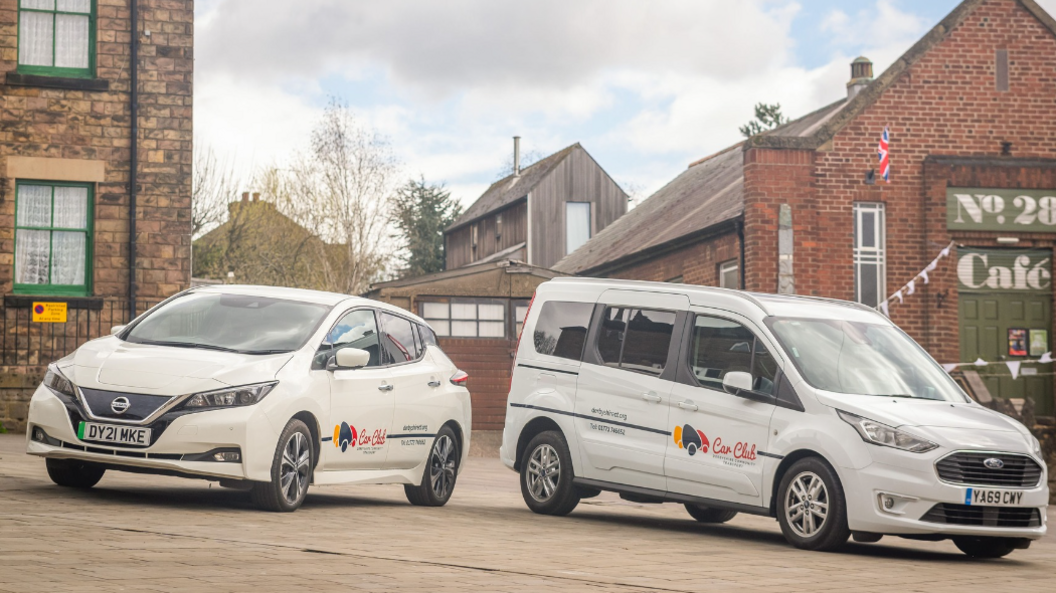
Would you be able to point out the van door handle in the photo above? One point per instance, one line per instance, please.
(434, 383)
(688, 405)
(386, 387)
(652, 397)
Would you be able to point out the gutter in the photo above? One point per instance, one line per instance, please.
(740, 235)
(133, 161)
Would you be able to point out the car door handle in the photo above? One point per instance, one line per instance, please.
(652, 397)
(385, 387)
(434, 383)
(688, 405)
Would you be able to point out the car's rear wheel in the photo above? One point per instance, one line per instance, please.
(709, 515)
(73, 473)
(985, 547)
(546, 475)
(441, 471)
(811, 507)
(291, 471)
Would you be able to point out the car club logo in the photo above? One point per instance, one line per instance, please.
(120, 405)
(346, 435)
(691, 439)
(994, 463)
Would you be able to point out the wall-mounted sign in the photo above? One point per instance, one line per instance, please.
(1013, 210)
(1001, 270)
(1039, 342)
(49, 312)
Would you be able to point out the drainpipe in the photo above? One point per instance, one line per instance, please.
(740, 235)
(134, 162)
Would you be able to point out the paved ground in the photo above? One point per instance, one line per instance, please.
(146, 533)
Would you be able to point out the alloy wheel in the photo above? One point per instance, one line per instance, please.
(806, 504)
(442, 467)
(544, 472)
(295, 468)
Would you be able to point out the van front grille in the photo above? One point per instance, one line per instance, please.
(969, 467)
(961, 514)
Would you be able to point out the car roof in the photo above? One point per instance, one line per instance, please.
(320, 297)
(778, 305)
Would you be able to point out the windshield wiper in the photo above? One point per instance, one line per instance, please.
(897, 395)
(191, 345)
(277, 351)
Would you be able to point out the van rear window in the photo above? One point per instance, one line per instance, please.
(562, 329)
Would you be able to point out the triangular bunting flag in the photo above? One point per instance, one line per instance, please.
(945, 252)
(979, 362)
(1013, 367)
(1045, 358)
(911, 287)
(949, 367)
(898, 295)
(924, 275)
(883, 307)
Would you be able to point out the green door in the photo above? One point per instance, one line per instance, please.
(1000, 303)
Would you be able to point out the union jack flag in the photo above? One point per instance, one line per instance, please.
(885, 160)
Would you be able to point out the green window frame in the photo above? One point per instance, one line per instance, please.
(23, 229)
(64, 15)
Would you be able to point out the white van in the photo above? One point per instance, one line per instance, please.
(820, 413)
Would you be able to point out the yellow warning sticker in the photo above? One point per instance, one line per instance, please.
(49, 312)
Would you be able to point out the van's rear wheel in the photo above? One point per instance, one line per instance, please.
(291, 471)
(546, 475)
(811, 508)
(985, 547)
(73, 473)
(709, 515)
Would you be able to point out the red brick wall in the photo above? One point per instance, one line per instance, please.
(488, 363)
(697, 263)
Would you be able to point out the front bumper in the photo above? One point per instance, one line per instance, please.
(178, 441)
(914, 486)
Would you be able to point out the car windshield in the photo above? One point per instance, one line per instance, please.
(230, 322)
(862, 358)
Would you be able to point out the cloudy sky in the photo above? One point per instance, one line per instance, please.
(645, 86)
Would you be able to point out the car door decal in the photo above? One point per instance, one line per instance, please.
(595, 418)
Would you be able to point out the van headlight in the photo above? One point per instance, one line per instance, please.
(1035, 445)
(58, 383)
(881, 434)
(245, 395)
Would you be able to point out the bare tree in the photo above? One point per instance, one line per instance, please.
(342, 189)
(213, 185)
(528, 158)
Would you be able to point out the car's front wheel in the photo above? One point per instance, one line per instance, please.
(985, 547)
(441, 471)
(72, 473)
(291, 471)
(811, 508)
(546, 475)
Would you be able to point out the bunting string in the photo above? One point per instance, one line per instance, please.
(1013, 365)
(911, 286)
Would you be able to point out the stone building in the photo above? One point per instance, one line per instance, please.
(95, 172)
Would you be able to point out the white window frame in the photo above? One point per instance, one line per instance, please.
(870, 254)
(443, 322)
(590, 224)
(724, 268)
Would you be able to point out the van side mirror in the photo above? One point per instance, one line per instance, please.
(736, 381)
(117, 329)
(349, 358)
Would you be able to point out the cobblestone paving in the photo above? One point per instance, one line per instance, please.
(146, 533)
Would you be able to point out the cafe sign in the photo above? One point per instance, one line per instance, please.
(1014, 210)
(1003, 270)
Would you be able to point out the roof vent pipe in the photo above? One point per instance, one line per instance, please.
(516, 156)
(861, 76)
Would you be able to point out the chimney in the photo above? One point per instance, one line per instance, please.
(861, 76)
(256, 196)
(245, 196)
(516, 156)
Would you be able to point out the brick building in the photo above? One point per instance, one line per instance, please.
(804, 208)
(95, 172)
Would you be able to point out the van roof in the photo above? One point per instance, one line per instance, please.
(769, 304)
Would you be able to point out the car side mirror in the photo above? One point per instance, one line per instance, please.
(349, 358)
(737, 381)
(117, 329)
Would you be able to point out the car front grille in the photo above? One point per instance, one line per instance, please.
(140, 406)
(961, 514)
(968, 467)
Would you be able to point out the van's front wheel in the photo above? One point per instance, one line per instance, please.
(546, 475)
(811, 508)
(985, 547)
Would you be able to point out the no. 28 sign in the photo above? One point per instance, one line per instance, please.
(975, 209)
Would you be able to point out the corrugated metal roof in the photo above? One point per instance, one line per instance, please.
(709, 192)
(511, 188)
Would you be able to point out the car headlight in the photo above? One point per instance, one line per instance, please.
(1035, 445)
(887, 436)
(245, 395)
(58, 383)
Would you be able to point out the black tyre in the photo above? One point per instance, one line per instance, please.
(438, 480)
(985, 547)
(72, 473)
(546, 475)
(811, 507)
(291, 471)
(710, 515)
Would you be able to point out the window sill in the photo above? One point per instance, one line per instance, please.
(57, 82)
(19, 301)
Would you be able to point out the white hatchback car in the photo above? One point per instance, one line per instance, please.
(266, 389)
(820, 413)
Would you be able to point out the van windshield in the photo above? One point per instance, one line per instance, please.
(230, 322)
(862, 358)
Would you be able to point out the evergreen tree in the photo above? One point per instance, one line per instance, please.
(767, 117)
(421, 213)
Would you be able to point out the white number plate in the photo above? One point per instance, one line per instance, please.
(993, 498)
(121, 435)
